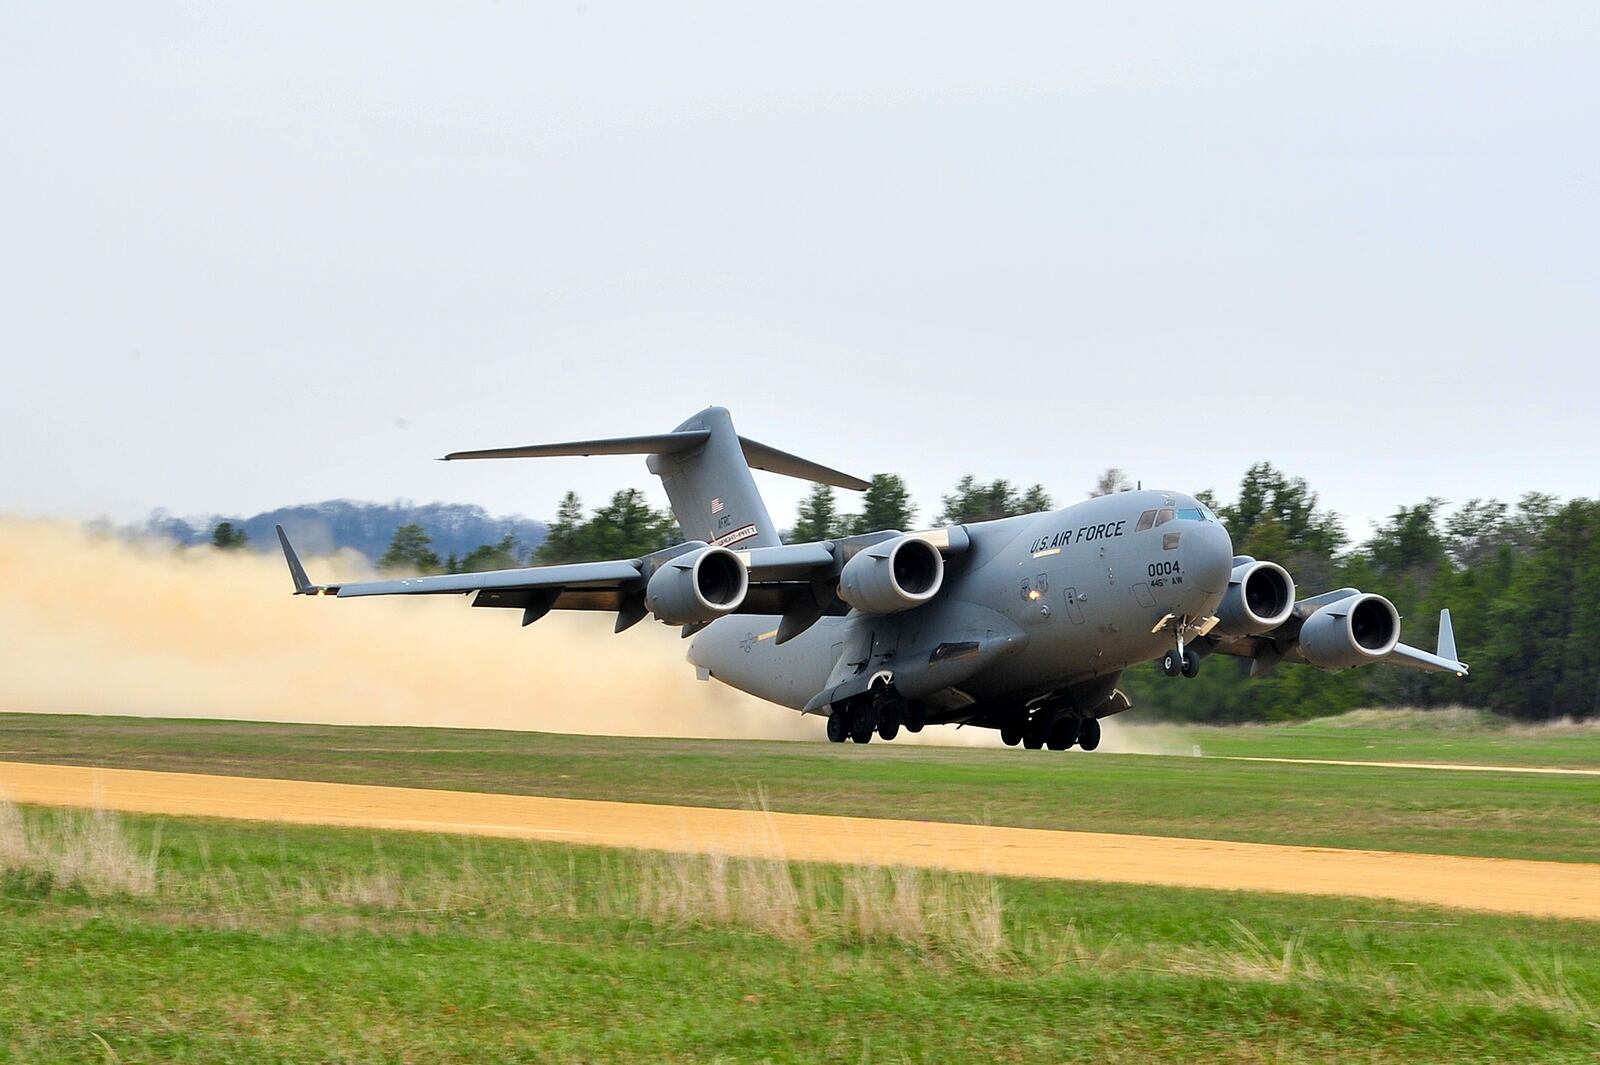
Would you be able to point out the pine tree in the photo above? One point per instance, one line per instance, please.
(410, 551)
(228, 537)
(885, 505)
(818, 518)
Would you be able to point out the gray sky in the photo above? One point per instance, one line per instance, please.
(267, 253)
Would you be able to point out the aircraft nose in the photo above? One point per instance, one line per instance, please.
(1208, 556)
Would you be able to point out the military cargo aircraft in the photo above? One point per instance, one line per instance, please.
(1023, 624)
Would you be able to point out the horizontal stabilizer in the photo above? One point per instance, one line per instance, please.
(655, 444)
(758, 455)
(762, 457)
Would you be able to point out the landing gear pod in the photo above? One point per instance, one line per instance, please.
(1260, 597)
(892, 576)
(1350, 632)
(698, 587)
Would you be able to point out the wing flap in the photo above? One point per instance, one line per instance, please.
(565, 576)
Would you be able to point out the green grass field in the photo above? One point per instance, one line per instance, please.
(163, 939)
(1433, 811)
(146, 940)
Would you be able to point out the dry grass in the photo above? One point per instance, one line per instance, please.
(1251, 959)
(75, 850)
(945, 915)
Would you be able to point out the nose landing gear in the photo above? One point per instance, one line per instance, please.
(1182, 660)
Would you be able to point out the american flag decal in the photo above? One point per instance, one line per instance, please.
(716, 506)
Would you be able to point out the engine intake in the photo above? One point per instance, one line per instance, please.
(892, 576)
(697, 586)
(1350, 632)
(1260, 597)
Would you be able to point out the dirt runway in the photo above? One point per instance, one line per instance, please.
(1449, 767)
(1557, 889)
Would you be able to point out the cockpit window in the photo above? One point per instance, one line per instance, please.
(1147, 520)
(1163, 515)
(1190, 514)
(1210, 515)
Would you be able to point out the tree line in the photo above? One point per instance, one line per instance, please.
(1522, 581)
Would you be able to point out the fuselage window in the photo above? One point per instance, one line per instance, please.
(1147, 520)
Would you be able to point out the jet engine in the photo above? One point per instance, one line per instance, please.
(1350, 632)
(892, 576)
(1260, 597)
(697, 586)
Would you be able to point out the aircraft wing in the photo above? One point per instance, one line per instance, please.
(1268, 649)
(796, 581)
(1445, 661)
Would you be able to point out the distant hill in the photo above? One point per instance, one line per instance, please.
(320, 528)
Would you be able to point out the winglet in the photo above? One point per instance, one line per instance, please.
(302, 583)
(1447, 637)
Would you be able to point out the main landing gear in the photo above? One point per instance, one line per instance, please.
(881, 711)
(1057, 733)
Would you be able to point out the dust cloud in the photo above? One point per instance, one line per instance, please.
(91, 624)
(97, 625)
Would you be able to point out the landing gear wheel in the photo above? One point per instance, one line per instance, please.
(838, 726)
(1191, 664)
(1171, 664)
(916, 716)
(1033, 739)
(891, 713)
(863, 720)
(1064, 734)
(1089, 734)
(1010, 736)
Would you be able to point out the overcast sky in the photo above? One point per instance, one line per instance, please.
(258, 254)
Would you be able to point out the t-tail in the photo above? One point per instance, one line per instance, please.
(705, 467)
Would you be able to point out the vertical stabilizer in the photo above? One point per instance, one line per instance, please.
(713, 495)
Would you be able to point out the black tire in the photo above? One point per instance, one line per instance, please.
(838, 726)
(1065, 733)
(1191, 664)
(916, 718)
(1032, 741)
(1089, 734)
(1171, 664)
(1010, 736)
(863, 720)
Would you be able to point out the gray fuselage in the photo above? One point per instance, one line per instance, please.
(1038, 604)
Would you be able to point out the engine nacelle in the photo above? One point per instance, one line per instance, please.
(892, 576)
(1260, 597)
(697, 586)
(1350, 632)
